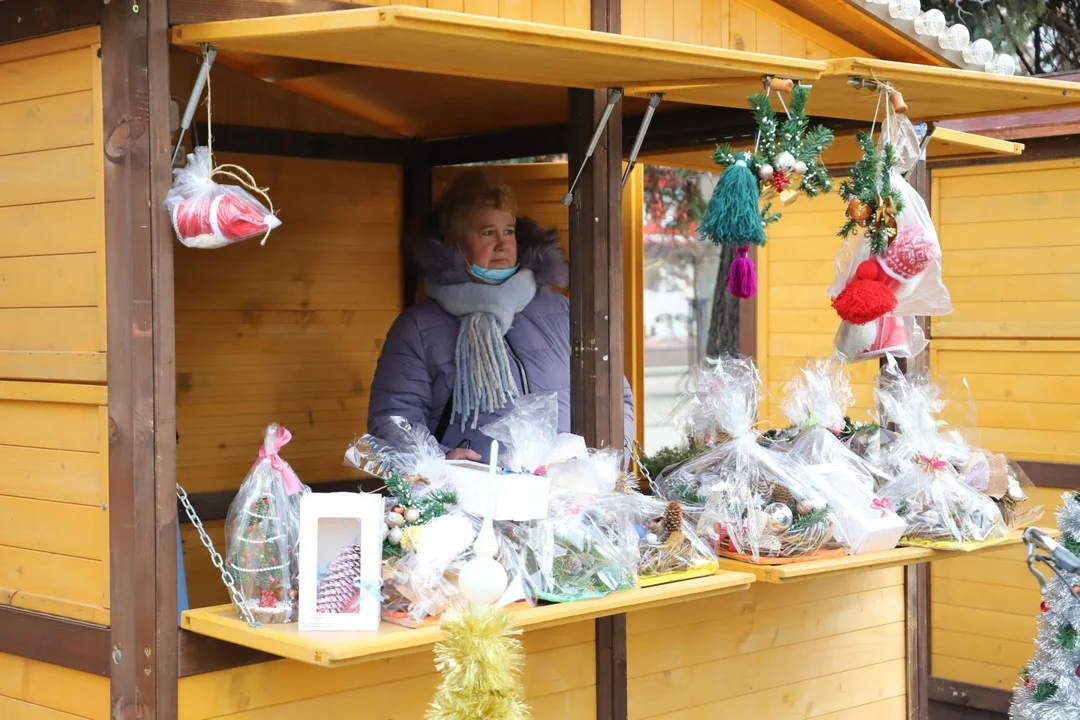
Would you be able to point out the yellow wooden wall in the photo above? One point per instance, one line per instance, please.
(1012, 266)
(559, 678)
(828, 648)
(32, 690)
(752, 25)
(54, 522)
(795, 319)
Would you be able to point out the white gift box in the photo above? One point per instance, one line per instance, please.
(868, 522)
(340, 561)
(516, 497)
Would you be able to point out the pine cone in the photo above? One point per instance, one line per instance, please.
(780, 494)
(620, 484)
(337, 589)
(672, 521)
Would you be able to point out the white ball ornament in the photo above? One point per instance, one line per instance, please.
(394, 536)
(786, 161)
(412, 515)
(765, 171)
(800, 168)
(395, 520)
(385, 531)
(652, 539)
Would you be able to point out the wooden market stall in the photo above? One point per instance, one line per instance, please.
(129, 364)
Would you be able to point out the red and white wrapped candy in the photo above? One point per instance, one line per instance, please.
(208, 215)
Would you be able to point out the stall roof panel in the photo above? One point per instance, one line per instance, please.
(448, 43)
(931, 93)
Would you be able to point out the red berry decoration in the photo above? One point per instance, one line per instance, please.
(1029, 683)
(1078, 671)
(1044, 606)
(780, 180)
(268, 599)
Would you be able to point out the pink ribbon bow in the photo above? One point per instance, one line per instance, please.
(932, 464)
(883, 505)
(281, 439)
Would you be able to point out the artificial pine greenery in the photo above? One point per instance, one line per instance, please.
(430, 507)
(811, 520)
(1066, 637)
(871, 183)
(1044, 691)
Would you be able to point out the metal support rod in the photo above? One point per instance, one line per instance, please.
(209, 53)
(654, 102)
(614, 95)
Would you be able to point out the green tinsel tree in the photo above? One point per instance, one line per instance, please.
(870, 183)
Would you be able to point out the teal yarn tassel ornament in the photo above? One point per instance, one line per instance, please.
(733, 217)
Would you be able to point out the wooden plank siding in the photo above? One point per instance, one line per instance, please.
(1015, 336)
(54, 520)
(794, 318)
(830, 648)
(29, 691)
(559, 678)
(753, 25)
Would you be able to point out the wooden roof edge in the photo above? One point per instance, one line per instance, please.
(1045, 123)
(870, 25)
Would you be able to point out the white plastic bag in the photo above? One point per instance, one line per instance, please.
(208, 215)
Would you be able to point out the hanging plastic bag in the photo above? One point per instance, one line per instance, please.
(527, 434)
(402, 447)
(208, 215)
(928, 493)
(261, 532)
(760, 505)
(900, 337)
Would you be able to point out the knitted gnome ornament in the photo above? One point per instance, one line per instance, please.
(873, 291)
(733, 218)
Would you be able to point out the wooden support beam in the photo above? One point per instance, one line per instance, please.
(182, 12)
(126, 99)
(978, 698)
(416, 205)
(54, 640)
(1053, 475)
(277, 142)
(199, 654)
(25, 19)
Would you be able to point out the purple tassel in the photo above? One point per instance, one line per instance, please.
(742, 279)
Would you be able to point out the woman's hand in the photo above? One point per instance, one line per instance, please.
(463, 454)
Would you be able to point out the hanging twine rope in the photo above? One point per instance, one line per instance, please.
(238, 174)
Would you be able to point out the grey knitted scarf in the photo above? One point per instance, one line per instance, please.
(484, 377)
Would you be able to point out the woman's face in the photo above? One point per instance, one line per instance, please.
(489, 240)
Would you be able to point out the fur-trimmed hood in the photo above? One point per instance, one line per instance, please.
(538, 251)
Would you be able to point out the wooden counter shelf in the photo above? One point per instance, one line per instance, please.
(335, 649)
(836, 566)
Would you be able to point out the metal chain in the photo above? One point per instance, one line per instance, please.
(635, 454)
(215, 557)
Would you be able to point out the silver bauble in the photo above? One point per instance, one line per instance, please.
(395, 520)
(412, 515)
(780, 517)
(800, 168)
(394, 536)
(765, 171)
(786, 161)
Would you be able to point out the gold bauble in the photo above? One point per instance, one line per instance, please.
(859, 211)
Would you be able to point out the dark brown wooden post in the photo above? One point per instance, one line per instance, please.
(596, 321)
(133, 518)
(415, 205)
(917, 577)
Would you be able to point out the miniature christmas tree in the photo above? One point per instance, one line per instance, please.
(338, 589)
(260, 560)
(1049, 687)
(480, 659)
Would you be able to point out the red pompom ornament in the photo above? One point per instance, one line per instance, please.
(208, 215)
(864, 301)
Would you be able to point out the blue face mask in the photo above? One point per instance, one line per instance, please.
(492, 276)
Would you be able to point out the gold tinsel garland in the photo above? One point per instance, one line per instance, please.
(480, 659)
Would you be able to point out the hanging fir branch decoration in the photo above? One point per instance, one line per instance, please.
(872, 202)
(784, 163)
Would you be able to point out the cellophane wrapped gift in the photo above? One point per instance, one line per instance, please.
(1004, 481)
(206, 214)
(816, 402)
(669, 547)
(760, 504)
(586, 548)
(421, 582)
(261, 533)
(401, 446)
(527, 434)
(600, 472)
(928, 493)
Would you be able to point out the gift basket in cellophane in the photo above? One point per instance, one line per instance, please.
(815, 401)
(759, 504)
(669, 548)
(427, 536)
(940, 509)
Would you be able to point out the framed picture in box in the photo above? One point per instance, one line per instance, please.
(340, 561)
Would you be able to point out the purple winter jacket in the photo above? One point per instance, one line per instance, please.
(415, 373)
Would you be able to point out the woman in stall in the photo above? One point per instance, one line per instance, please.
(491, 329)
